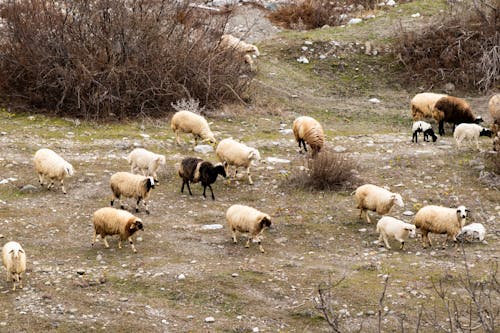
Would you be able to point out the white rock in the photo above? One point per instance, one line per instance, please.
(355, 21)
(255, 330)
(308, 42)
(181, 277)
(209, 320)
(303, 60)
(408, 213)
(415, 15)
(145, 136)
(211, 226)
(339, 149)
(304, 48)
(286, 131)
(374, 100)
(390, 3)
(362, 230)
(277, 160)
(204, 149)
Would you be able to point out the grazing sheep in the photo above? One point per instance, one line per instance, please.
(377, 199)
(494, 108)
(128, 185)
(234, 153)
(440, 220)
(14, 261)
(247, 51)
(245, 219)
(50, 165)
(307, 129)
(470, 132)
(473, 232)
(110, 221)
(390, 227)
(193, 169)
(147, 162)
(422, 105)
(189, 122)
(453, 110)
(426, 128)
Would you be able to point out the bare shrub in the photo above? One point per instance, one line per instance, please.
(188, 105)
(104, 58)
(462, 47)
(327, 171)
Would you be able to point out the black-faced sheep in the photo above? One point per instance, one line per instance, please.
(194, 170)
(109, 221)
(238, 154)
(245, 219)
(422, 127)
(147, 162)
(375, 198)
(470, 132)
(390, 227)
(440, 220)
(189, 122)
(453, 110)
(422, 105)
(308, 130)
(49, 164)
(129, 185)
(14, 261)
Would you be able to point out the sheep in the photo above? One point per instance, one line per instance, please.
(440, 220)
(189, 122)
(128, 185)
(194, 170)
(14, 261)
(426, 128)
(422, 105)
(307, 129)
(248, 51)
(245, 219)
(390, 227)
(470, 132)
(234, 153)
(49, 164)
(377, 199)
(453, 110)
(147, 162)
(494, 108)
(472, 232)
(110, 221)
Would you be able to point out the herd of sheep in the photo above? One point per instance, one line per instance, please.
(142, 178)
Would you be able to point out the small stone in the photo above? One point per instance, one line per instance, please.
(98, 257)
(339, 149)
(234, 275)
(204, 149)
(408, 213)
(415, 16)
(28, 188)
(209, 320)
(123, 299)
(255, 330)
(374, 100)
(362, 230)
(354, 21)
(303, 60)
(181, 277)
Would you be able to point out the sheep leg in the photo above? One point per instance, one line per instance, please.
(105, 241)
(414, 138)
(137, 204)
(210, 187)
(20, 281)
(402, 245)
(477, 144)
(249, 176)
(177, 139)
(51, 183)
(119, 243)
(234, 236)
(132, 244)
(441, 127)
(386, 242)
(367, 217)
(62, 186)
(40, 179)
(261, 248)
(146, 206)
(247, 245)
(94, 238)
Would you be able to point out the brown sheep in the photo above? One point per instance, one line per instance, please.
(453, 110)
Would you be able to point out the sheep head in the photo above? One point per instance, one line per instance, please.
(397, 199)
(220, 169)
(478, 120)
(462, 214)
(135, 224)
(265, 222)
(412, 232)
(485, 132)
(149, 183)
(14, 253)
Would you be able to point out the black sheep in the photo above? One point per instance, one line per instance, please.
(195, 170)
(453, 110)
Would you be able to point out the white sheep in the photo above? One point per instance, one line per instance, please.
(109, 221)
(237, 154)
(390, 227)
(472, 232)
(422, 105)
(14, 261)
(470, 132)
(50, 165)
(189, 122)
(146, 161)
(308, 130)
(129, 185)
(248, 51)
(421, 126)
(494, 108)
(377, 199)
(245, 219)
(440, 220)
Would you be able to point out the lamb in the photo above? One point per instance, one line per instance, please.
(440, 220)
(453, 110)
(377, 199)
(390, 227)
(470, 132)
(238, 154)
(248, 51)
(245, 219)
(147, 162)
(128, 185)
(14, 261)
(472, 232)
(49, 164)
(307, 129)
(194, 170)
(110, 221)
(189, 122)
(426, 128)
(422, 105)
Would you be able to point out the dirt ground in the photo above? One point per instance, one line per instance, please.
(183, 273)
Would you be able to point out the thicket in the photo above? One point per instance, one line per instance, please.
(114, 58)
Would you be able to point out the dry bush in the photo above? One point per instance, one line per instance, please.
(327, 171)
(463, 47)
(101, 58)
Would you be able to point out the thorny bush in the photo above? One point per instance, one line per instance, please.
(115, 58)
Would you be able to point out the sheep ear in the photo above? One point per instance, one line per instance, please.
(251, 154)
(21, 250)
(11, 251)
